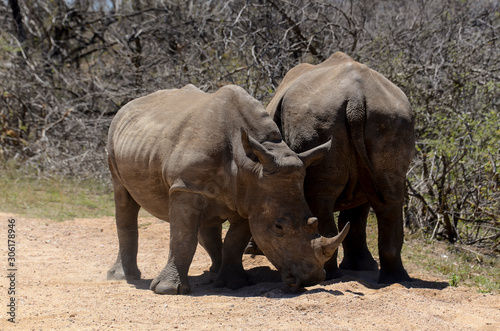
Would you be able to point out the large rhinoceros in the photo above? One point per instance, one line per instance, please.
(373, 144)
(195, 159)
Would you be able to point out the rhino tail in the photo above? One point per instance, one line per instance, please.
(274, 109)
(356, 115)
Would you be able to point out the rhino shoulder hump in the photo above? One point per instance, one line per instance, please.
(232, 90)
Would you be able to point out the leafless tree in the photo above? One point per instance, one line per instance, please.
(68, 66)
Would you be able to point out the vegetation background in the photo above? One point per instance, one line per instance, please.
(66, 67)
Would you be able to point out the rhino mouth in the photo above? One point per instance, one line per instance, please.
(295, 283)
(292, 283)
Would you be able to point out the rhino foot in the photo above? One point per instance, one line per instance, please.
(391, 277)
(116, 272)
(214, 268)
(232, 284)
(234, 279)
(332, 273)
(168, 287)
(366, 264)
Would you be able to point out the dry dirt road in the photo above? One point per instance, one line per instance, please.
(60, 284)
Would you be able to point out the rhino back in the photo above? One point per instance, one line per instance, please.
(312, 104)
(185, 139)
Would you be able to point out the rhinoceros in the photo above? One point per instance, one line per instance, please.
(372, 126)
(196, 159)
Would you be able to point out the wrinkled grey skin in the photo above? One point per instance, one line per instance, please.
(373, 144)
(195, 160)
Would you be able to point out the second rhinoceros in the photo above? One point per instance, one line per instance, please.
(372, 125)
(195, 159)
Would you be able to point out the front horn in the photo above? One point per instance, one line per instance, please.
(325, 247)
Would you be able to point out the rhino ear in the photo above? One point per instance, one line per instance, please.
(315, 154)
(256, 151)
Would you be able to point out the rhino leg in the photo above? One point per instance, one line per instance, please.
(356, 253)
(232, 274)
(252, 248)
(390, 243)
(184, 219)
(210, 238)
(323, 210)
(126, 210)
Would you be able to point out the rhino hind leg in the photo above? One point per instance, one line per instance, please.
(210, 238)
(126, 210)
(232, 274)
(356, 253)
(390, 243)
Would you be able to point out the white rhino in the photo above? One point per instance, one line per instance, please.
(372, 126)
(196, 159)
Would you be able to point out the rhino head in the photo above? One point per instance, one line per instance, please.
(280, 220)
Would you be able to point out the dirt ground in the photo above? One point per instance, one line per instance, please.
(61, 284)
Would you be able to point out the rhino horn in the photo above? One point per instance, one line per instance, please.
(316, 153)
(252, 146)
(313, 223)
(325, 247)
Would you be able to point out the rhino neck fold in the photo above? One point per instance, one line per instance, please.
(244, 177)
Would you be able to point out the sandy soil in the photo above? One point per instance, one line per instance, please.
(60, 284)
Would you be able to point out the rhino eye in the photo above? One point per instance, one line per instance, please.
(278, 227)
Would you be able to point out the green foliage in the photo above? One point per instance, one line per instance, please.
(448, 73)
(454, 279)
(8, 48)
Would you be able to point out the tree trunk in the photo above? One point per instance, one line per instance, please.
(18, 18)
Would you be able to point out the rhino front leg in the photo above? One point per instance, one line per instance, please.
(184, 219)
(356, 253)
(232, 274)
(126, 211)
(210, 238)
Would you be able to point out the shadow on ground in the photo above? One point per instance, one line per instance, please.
(267, 283)
(263, 278)
(369, 280)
